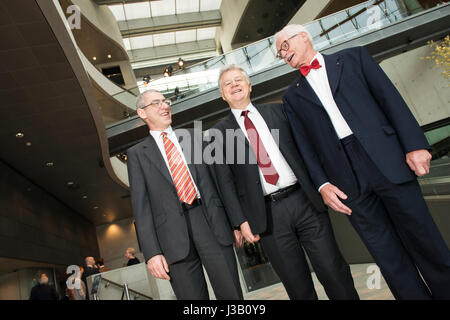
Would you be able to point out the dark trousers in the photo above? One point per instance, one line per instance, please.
(293, 224)
(187, 277)
(396, 226)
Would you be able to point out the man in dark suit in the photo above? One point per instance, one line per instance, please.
(89, 271)
(43, 290)
(363, 149)
(269, 195)
(180, 219)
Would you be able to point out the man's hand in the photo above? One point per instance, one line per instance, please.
(330, 195)
(238, 239)
(158, 267)
(248, 234)
(419, 161)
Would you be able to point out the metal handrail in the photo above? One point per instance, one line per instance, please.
(125, 287)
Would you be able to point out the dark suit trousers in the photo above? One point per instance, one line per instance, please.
(396, 226)
(187, 277)
(293, 224)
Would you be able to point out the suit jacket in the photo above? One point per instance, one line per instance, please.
(374, 111)
(160, 222)
(239, 182)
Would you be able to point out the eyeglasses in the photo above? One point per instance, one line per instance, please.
(285, 46)
(235, 80)
(156, 104)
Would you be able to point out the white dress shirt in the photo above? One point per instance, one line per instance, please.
(172, 136)
(286, 175)
(318, 79)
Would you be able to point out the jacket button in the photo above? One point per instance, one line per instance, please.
(258, 182)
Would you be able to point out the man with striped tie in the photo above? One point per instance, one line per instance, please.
(180, 219)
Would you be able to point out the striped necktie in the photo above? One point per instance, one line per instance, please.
(180, 174)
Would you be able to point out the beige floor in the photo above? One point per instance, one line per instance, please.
(360, 277)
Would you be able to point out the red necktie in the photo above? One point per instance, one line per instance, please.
(180, 174)
(314, 65)
(267, 169)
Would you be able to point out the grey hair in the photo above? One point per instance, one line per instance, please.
(293, 29)
(140, 97)
(231, 67)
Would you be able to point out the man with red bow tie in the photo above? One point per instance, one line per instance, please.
(363, 149)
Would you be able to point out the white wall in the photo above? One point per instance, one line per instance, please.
(421, 84)
(114, 239)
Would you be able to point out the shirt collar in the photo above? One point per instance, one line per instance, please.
(238, 112)
(157, 134)
(317, 56)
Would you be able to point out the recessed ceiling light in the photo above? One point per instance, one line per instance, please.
(28, 144)
(109, 56)
(84, 197)
(50, 164)
(19, 135)
(95, 208)
(70, 183)
(94, 58)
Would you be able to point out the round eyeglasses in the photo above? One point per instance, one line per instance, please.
(285, 46)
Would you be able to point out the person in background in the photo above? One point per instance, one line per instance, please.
(43, 290)
(130, 254)
(90, 269)
(101, 265)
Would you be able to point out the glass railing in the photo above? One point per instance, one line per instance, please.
(325, 32)
(437, 182)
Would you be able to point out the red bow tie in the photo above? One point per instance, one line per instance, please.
(314, 65)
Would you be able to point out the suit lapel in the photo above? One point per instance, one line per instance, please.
(154, 155)
(334, 64)
(231, 123)
(306, 91)
(286, 143)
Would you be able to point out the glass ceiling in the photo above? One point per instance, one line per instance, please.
(148, 9)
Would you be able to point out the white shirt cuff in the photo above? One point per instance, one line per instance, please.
(323, 185)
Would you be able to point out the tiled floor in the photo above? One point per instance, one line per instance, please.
(360, 273)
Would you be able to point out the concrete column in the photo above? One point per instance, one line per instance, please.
(231, 11)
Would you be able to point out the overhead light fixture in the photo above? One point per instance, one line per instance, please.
(72, 185)
(109, 56)
(19, 135)
(51, 164)
(180, 62)
(94, 58)
(84, 197)
(28, 144)
(95, 208)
